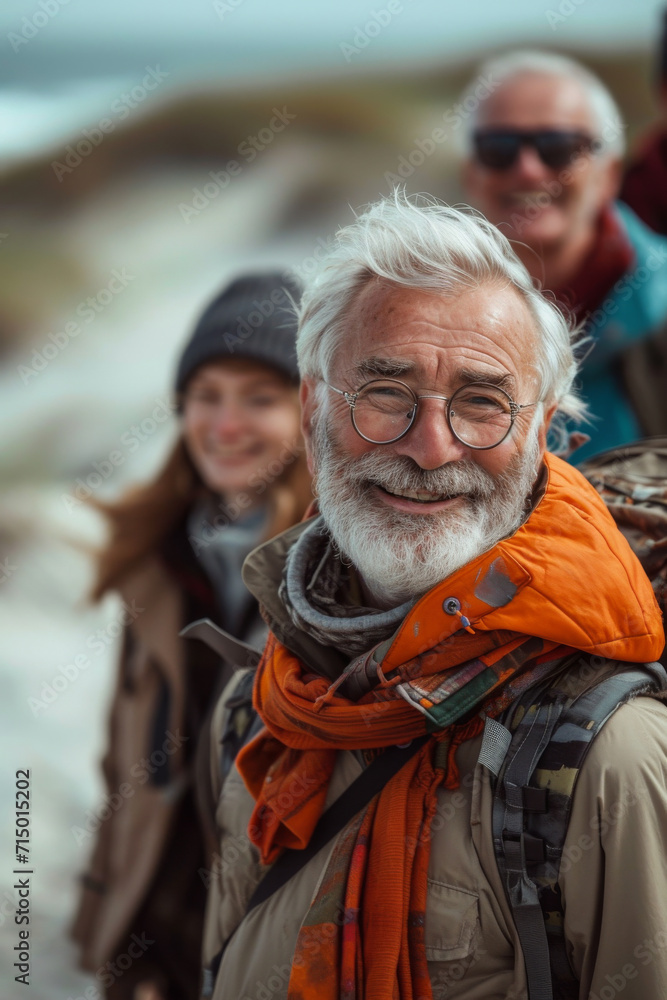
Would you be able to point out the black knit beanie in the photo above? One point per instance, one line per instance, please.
(252, 318)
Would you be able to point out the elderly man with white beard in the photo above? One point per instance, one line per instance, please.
(459, 603)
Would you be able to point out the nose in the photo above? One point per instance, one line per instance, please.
(228, 420)
(430, 442)
(529, 165)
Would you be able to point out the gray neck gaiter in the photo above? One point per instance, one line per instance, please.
(313, 580)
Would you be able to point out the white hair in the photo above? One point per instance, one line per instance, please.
(498, 70)
(417, 242)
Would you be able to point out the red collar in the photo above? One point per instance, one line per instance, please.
(610, 258)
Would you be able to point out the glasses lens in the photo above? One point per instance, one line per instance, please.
(383, 411)
(497, 150)
(480, 415)
(558, 149)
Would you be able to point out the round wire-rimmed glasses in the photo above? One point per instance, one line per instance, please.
(479, 415)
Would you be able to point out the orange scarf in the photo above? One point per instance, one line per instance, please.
(363, 937)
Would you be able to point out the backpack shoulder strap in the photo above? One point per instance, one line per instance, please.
(550, 730)
(236, 656)
(242, 722)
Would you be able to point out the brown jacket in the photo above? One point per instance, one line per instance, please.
(148, 817)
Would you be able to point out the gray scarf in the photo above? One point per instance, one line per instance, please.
(221, 551)
(313, 579)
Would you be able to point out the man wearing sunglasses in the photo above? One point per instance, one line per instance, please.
(452, 566)
(543, 163)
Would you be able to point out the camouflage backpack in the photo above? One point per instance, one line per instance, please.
(632, 481)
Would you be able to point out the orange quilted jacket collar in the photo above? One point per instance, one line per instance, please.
(567, 575)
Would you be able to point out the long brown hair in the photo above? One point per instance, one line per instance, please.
(141, 519)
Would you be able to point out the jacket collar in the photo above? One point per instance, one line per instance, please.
(262, 575)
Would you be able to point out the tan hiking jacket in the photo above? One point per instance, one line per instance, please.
(613, 880)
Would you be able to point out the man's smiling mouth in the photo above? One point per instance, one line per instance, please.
(420, 496)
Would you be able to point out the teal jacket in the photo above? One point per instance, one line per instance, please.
(634, 309)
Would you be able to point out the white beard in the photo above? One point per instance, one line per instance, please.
(400, 556)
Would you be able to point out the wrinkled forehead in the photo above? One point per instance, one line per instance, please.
(538, 100)
(437, 340)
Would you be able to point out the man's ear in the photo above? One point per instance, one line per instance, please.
(307, 397)
(546, 423)
(611, 181)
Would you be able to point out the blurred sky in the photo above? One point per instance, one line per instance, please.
(82, 51)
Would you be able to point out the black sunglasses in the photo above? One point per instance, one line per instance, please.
(498, 149)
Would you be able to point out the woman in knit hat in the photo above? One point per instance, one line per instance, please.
(236, 476)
